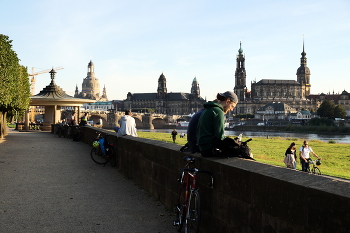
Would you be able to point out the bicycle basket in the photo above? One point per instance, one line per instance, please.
(95, 144)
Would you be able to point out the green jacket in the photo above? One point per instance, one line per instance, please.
(211, 123)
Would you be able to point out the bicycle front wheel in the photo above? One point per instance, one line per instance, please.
(97, 156)
(316, 171)
(179, 208)
(194, 210)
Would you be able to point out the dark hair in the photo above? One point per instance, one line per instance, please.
(221, 98)
(291, 145)
(127, 112)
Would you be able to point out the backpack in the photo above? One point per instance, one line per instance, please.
(185, 148)
(232, 148)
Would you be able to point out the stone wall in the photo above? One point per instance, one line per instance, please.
(247, 196)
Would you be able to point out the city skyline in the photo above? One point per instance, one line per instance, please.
(132, 43)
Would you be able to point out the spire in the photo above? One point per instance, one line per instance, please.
(52, 75)
(240, 50)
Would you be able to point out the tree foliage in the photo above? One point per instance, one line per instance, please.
(329, 110)
(339, 111)
(14, 82)
(326, 109)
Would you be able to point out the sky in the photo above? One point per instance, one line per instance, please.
(133, 42)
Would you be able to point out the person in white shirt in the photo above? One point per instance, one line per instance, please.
(127, 125)
(304, 153)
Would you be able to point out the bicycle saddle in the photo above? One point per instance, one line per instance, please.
(189, 159)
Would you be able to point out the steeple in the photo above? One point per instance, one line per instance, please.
(195, 87)
(240, 74)
(303, 75)
(162, 90)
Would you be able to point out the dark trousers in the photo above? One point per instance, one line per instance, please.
(304, 166)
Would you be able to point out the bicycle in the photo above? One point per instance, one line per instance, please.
(103, 152)
(61, 131)
(187, 208)
(78, 134)
(314, 169)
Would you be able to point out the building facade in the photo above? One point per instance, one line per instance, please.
(173, 103)
(294, 93)
(91, 86)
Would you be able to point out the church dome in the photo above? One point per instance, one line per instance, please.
(303, 70)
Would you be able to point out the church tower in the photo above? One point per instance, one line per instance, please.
(303, 76)
(240, 75)
(91, 85)
(162, 90)
(195, 88)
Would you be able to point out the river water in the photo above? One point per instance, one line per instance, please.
(304, 136)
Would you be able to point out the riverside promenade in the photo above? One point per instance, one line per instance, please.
(50, 184)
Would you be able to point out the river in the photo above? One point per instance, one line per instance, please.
(305, 136)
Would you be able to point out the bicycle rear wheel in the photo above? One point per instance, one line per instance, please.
(194, 210)
(112, 157)
(179, 208)
(97, 156)
(316, 171)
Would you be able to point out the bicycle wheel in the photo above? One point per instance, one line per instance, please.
(316, 171)
(97, 156)
(112, 157)
(59, 132)
(179, 208)
(194, 210)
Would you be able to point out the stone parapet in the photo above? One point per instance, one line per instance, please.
(248, 196)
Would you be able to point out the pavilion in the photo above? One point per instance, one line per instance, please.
(52, 97)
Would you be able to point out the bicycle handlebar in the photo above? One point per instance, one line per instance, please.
(211, 184)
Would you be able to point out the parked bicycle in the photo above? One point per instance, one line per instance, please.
(102, 151)
(187, 208)
(78, 134)
(314, 169)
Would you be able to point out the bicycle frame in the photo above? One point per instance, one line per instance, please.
(188, 190)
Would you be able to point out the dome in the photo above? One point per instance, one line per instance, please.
(303, 70)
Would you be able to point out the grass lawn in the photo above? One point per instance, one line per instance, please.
(335, 157)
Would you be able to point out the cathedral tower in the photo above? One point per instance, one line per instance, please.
(240, 75)
(303, 76)
(162, 90)
(195, 87)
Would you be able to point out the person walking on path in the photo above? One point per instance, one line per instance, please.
(173, 134)
(290, 156)
(304, 153)
(127, 125)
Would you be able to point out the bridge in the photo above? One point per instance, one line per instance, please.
(142, 120)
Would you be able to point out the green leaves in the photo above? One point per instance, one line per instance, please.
(14, 82)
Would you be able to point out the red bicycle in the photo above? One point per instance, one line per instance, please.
(187, 208)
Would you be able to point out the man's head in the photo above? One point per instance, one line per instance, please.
(228, 100)
(128, 112)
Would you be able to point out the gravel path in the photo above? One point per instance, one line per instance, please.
(50, 184)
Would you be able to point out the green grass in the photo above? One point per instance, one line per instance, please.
(335, 157)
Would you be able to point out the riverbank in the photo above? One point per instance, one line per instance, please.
(270, 150)
(295, 129)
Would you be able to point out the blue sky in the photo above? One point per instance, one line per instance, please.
(132, 42)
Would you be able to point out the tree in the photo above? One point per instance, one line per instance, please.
(14, 83)
(326, 109)
(339, 111)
